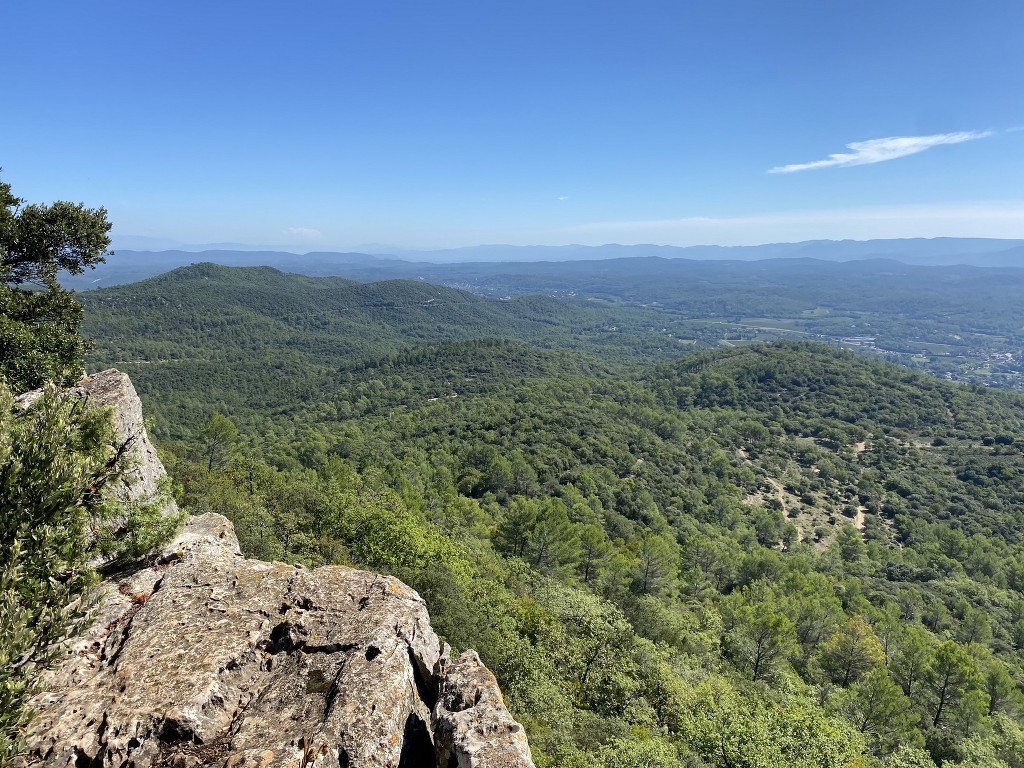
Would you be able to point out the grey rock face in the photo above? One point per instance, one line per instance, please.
(113, 388)
(207, 658)
(472, 728)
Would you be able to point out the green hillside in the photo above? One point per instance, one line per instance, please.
(261, 341)
(778, 555)
(960, 322)
(231, 314)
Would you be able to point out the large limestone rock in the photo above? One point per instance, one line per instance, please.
(113, 388)
(205, 658)
(472, 728)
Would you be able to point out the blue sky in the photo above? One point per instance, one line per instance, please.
(319, 125)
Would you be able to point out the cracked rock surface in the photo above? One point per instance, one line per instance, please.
(472, 728)
(207, 658)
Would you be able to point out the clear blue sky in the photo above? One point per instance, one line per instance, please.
(324, 124)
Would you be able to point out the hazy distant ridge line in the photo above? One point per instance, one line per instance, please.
(459, 264)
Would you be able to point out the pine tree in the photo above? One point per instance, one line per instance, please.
(39, 320)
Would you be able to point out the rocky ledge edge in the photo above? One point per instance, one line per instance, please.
(206, 658)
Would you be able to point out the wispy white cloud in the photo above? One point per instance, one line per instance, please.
(563, 197)
(304, 233)
(880, 150)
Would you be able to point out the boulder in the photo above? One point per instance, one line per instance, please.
(207, 658)
(472, 728)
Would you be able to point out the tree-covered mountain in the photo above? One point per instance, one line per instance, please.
(774, 555)
(263, 340)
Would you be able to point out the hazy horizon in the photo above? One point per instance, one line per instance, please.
(156, 245)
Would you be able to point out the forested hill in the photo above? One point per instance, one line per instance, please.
(247, 310)
(776, 555)
(260, 339)
(812, 381)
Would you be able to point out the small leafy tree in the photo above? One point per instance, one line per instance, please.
(952, 674)
(880, 710)
(514, 529)
(655, 564)
(850, 653)
(760, 639)
(594, 549)
(999, 686)
(914, 652)
(553, 540)
(217, 442)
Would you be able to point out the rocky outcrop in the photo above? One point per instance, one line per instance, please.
(472, 728)
(206, 658)
(114, 389)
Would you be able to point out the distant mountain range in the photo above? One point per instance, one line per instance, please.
(458, 265)
(935, 251)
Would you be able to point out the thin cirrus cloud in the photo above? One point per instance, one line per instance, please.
(880, 150)
(304, 233)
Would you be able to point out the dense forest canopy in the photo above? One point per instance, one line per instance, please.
(780, 554)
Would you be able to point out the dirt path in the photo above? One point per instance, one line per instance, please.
(858, 519)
